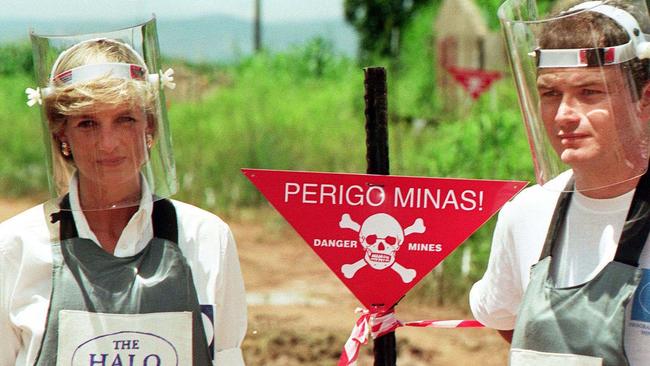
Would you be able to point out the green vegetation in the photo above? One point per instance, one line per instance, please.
(380, 24)
(22, 165)
(302, 110)
(16, 59)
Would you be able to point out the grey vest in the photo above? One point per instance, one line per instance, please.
(87, 278)
(587, 319)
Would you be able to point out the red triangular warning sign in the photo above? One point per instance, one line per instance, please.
(381, 234)
(474, 81)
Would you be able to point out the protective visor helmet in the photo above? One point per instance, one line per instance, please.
(104, 117)
(581, 76)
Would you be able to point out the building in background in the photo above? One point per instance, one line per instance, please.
(469, 56)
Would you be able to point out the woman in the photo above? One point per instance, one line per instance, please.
(110, 273)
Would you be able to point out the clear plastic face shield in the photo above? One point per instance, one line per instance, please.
(104, 117)
(582, 78)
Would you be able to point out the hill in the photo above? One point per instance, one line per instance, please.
(206, 38)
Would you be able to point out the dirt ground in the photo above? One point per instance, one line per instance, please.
(301, 314)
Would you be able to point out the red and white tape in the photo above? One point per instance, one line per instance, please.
(381, 323)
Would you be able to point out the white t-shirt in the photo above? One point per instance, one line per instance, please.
(26, 276)
(588, 242)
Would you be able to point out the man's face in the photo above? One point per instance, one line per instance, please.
(591, 119)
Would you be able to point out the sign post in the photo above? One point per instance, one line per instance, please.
(381, 234)
(376, 112)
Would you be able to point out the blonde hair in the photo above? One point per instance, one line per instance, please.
(79, 98)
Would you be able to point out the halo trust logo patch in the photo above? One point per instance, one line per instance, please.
(641, 305)
(126, 349)
(100, 339)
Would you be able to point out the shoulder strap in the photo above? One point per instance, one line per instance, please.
(67, 228)
(637, 225)
(163, 217)
(165, 224)
(557, 221)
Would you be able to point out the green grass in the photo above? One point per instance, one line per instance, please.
(22, 162)
(271, 117)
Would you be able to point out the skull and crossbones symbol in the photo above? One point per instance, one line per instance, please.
(381, 237)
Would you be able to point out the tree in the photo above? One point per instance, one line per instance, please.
(380, 24)
(257, 28)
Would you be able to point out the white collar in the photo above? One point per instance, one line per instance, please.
(135, 235)
(604, 205)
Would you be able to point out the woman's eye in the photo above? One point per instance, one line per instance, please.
(86, 123)
(126, 119)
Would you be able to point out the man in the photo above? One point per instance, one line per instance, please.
(568, 254)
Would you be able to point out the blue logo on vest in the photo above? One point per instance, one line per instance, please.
(641, 305)
(126, 348)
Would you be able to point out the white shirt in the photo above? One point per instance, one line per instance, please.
(26, 275)
(135, 236)
(588, 242)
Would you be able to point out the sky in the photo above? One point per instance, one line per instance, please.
(272, 10)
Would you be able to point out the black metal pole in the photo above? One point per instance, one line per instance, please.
(385, 349)
(376, 120)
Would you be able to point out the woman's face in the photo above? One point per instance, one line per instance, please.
(108, 145)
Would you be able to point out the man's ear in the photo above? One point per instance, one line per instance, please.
(643, 105)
